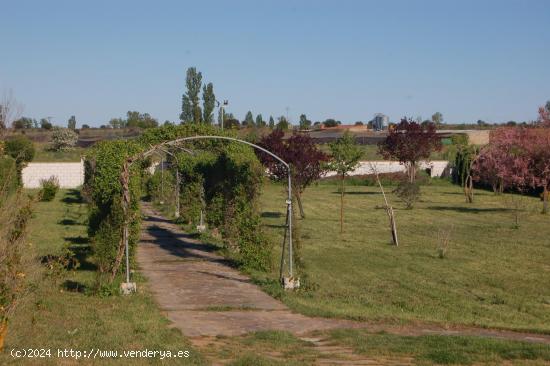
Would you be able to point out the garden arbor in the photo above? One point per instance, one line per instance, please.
(164, 147)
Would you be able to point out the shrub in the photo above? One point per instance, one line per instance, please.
(8, 174)
(63, 139)
(103, 189)
(17, 266)
(408, 192)
(49, 188)
(21, 149)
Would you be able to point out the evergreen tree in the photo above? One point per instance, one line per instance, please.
(190, 108)
(271, 122)
(249, 119)
(283, 123)
(209, 102)
(260, 121)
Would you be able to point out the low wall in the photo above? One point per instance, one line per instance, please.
(437, 168)
(70, 175)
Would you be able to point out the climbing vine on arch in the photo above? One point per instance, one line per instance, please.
(228, 176)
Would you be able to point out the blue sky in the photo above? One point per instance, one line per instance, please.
(343, 59)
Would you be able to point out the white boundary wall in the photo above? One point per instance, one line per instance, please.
(70, 175)
(437, 167)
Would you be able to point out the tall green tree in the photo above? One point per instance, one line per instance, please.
(141, 120)
(190, 107)
(71, 123)
(271, 122)
(209, 103)
(345, 155)
(304, 122)
(45, 124)
(437, 118)
(260, 121)
(283, 123)
(248, 119)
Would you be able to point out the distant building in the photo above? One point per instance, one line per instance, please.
(380, 121)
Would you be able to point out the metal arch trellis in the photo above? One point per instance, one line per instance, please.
(125, 178)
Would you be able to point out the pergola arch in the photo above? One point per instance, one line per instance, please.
(163, 146)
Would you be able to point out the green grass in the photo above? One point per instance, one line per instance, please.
(493, 274)
(43, 154)
(446, 350)
(349, 269)
(370, 152)
(60, 314)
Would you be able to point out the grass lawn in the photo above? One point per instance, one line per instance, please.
(61, 315)
(43, 154)
(429, 350)
(493, 275)
(283, 348)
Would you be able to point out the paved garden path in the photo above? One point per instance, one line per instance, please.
(205, 297)
(202, 295)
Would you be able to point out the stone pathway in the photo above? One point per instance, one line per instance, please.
(205, 298)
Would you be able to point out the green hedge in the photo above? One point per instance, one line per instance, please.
(225, 174)
(103, 190)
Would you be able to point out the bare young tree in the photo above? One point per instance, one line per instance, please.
(389, 209)
(10, 110)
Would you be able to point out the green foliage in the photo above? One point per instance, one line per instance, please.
(260, 121)
(63, 139)
(8, 174)
(223, 181)
(248, 119)
(48, 188)
(345, 154)
(45, 124)
(408, 192)
(304, 122)
(190, 108)
(283, 124)
(103, 189)
(209, 102)
(15, 258)
(21, 149)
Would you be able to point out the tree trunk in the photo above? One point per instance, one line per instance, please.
(342, 188)
(412, 172)
(469, 189)
(545, 200)
(299, 200)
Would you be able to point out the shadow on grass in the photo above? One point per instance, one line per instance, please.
(74, 286)
(275, 226)
(467, 209)
(271, 214)
(77, 239)
(357, 193)
(72, 196)
(82, 253)
(68, 222)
